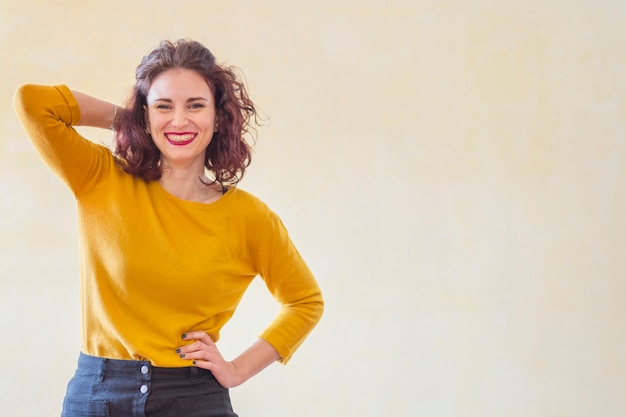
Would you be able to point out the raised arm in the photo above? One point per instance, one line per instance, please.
(48, 114)
(95, 112)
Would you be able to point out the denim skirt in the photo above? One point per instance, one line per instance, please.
(126, 388)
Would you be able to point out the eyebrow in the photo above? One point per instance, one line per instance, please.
(190, 99)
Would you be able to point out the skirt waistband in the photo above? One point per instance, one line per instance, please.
(132, 368)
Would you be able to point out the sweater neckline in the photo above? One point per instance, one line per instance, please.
(194, 204)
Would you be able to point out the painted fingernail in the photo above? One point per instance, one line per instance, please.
(184, 335)
(177, 350)
(194, 362)
(182, 355)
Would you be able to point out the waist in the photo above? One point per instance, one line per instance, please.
(131, 368)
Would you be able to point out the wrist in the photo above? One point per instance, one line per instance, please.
(112, 126)
(239, 375)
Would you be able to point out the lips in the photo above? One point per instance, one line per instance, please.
(180, 138)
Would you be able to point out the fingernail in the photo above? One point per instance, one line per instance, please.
(177, 350)
(194, 362)
(184, 335)
(182, 355)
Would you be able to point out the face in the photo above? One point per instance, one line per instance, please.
(181, 118)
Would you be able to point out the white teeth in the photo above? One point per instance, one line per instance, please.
(180, 138)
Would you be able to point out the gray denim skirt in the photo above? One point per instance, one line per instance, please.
(125, 388)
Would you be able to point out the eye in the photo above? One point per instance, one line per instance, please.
(163, 107)
(196, 106)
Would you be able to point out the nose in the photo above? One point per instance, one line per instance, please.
(179, 118)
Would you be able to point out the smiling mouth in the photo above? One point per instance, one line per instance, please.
(180, 139)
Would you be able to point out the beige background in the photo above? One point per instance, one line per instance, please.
(453, 171)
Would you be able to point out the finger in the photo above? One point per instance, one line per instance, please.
(198, 335)
(199, 350)
(197, 355)
(197, 345)
(220, 370)
(203, 364)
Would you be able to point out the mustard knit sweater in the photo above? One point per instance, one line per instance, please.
(154, 266)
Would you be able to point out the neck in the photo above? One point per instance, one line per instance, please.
(189, 185)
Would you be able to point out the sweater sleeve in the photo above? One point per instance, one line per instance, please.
(48, 114)
(292, 284)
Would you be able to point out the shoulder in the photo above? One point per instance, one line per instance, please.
(246, 205)
(263, 228)
(247, 201)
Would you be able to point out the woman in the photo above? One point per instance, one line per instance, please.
(169, 244)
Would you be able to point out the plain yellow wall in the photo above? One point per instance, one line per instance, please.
(453, 171)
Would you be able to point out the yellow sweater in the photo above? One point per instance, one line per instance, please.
(154, 266)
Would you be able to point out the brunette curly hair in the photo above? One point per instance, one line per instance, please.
(228, 154)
